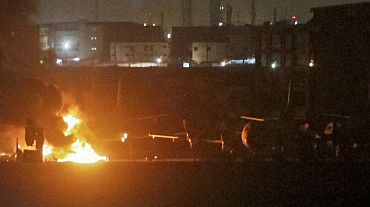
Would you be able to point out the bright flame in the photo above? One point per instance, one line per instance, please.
(80, 150)
(71, 122)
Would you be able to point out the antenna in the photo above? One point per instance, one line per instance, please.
(253, 12)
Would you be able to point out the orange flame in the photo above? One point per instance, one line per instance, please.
(80, 150)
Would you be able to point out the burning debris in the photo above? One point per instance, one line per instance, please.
(23, 99)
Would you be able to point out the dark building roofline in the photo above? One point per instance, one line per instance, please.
(341, 6)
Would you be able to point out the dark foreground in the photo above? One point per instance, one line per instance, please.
(185, 184)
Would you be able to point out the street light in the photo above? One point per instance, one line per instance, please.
(274, 65)
(66, 45)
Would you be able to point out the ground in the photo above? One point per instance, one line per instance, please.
(212, 183)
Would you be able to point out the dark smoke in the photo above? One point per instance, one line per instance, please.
(26, 98)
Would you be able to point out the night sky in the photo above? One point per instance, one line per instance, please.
(137, 10)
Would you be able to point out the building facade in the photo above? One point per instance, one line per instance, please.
(102, 43)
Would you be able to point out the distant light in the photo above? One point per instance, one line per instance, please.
(296, 22)
(124, 137)
(311, 64)
(223, 63)
(274, 65)
(294, 18)
(153, 25)
(220, 24)
(169, 36)
(66, 45)
(59, 61)
(144, 24)
(93, 49)
(221, 8)
(41, 62)
(251, 60)
(76, 59)
(155, 157)
(159, 60)
(186, 65)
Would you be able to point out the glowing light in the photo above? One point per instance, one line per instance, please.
(144, 24)
(41, 62)
(274, 65)
(124, 137)
(153, 25)
(82, 152)
(71, 122)
(59, 61)
(159, 60)
(66, 45)
(311, 64)
(186, 65)
(169, 36)
(76, 59)
(223, 64)
(220, 24)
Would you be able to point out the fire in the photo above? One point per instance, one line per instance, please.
(71, 122)
(80, 150)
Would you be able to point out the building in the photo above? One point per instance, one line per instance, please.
(340, 47)
(197, 45)
(283, 45)
(103, 43)
(136, 45)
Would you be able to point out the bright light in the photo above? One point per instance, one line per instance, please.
(76, 59)
(71, 122)
(159, 60)
(221, 8)
(93, 49)
(169, 36)
(59, 61)
(144, 24)
(82, 152)
(186, 65)
(124, 137)
(274, 65)
(41, 62)
(223, 63)
(311, 64)
(220, 24)
(66, 45)
(295, 22)
(153, 25)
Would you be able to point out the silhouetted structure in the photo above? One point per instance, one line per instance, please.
(340, 49)
(18, 35)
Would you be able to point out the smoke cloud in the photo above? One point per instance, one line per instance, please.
(26, 98)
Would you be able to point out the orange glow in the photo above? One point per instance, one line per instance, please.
(80, 151)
